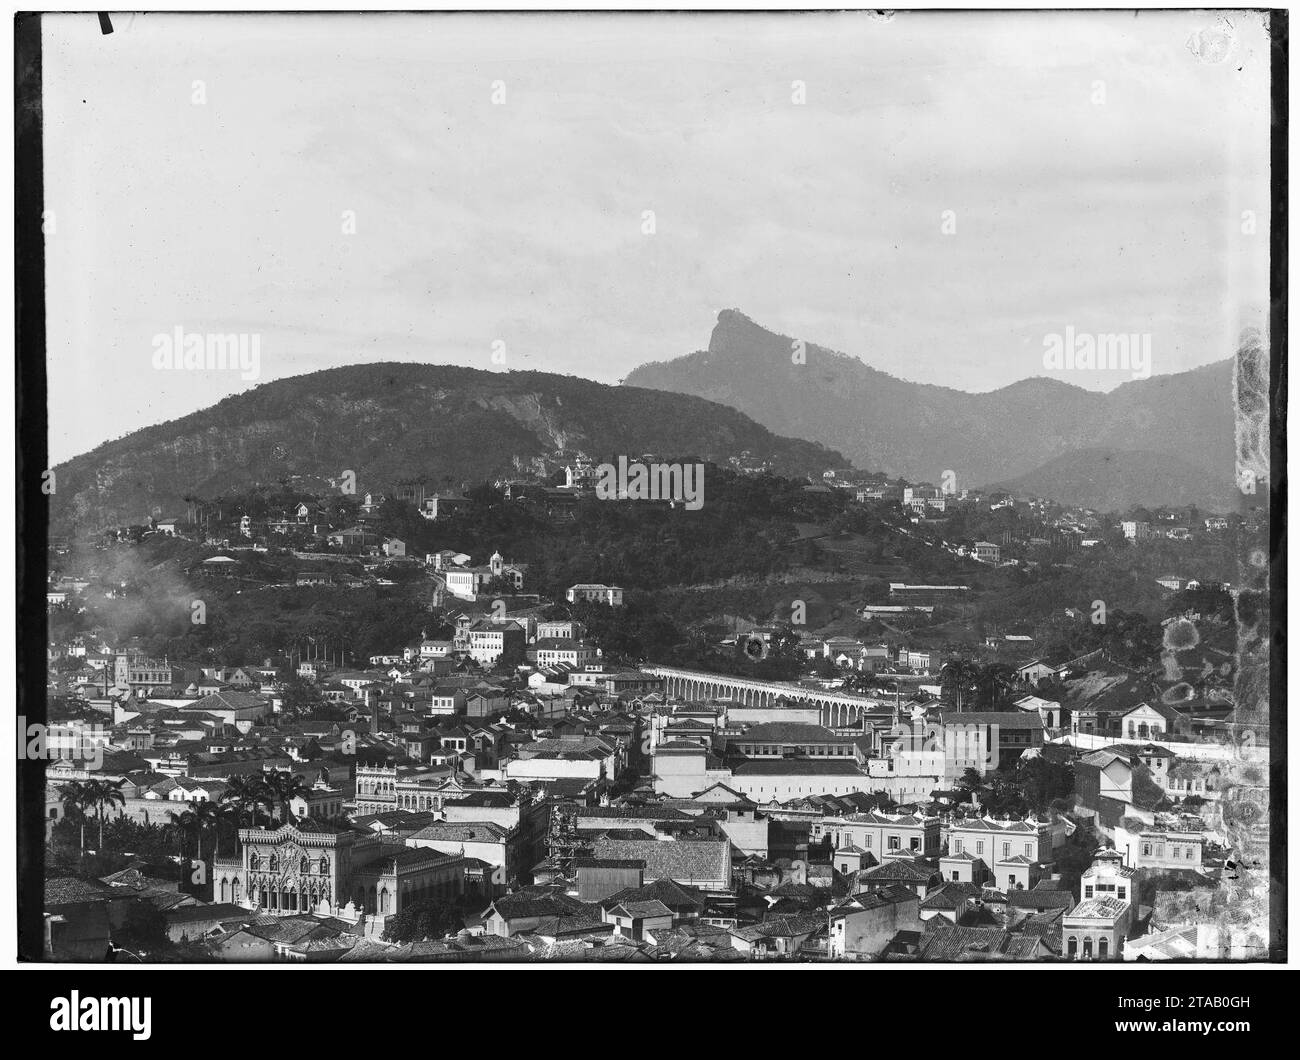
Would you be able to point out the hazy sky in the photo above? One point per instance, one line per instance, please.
(1096, 169)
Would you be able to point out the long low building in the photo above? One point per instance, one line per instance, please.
(683, 769)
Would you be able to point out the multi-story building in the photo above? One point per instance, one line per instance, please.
(595, 593)
(399, 876)
(290, 870)
(1013, 853)
(984, 740)
(1167, 849)
(441, 505)
(1094, 930)
(466, 582)
(1189, 778)
(552, 651)
(783, 739)
(1108, 877)
(883, 835)
(564, 629)
(322, 802)
(496, 642)
(447, 699)
(144, 676)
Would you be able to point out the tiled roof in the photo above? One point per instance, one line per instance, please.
(789, 732)
(891, 895)
(640, 813)
(1003, 719)
(1104, 907)
(789, 925)
(578, 924)
(68, 890)
(683, 860)
(949, 896)
(1040, 899)
(608, 863)
(987, 824)
(903, 820)
(640, 909)
(523, 904)
(462, 832)
(669, 892)
(947, 942)
(798, 767)
(899, 870)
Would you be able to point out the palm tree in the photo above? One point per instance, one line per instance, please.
(75, 796)
(101, 794)
(182, 825)
(286, 786)
(959, 675)
(228, 813)
(205, 817)
(246, 793)
(859, 682)
(993, 683)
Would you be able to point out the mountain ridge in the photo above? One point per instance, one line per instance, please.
(921, 430)
(397, 421)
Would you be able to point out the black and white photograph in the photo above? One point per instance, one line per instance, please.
(731, 489)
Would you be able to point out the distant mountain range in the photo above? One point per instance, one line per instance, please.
(392, 423)
(1112, 480)
(1169, 438)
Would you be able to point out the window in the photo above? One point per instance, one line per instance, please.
(894, 843)
(1087, 892)
(956, 846)
(979, 846)
(1103, 946)
(1123, 894)
(914, 843)
(1006, 850)
(1146, 850)
(1029, 850)
(1072, 947)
